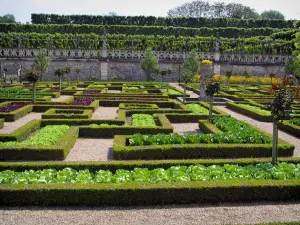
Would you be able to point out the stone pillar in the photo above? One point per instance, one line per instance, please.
(103, 68)
(104, 47)
(217, 69)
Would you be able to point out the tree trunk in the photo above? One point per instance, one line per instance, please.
(77, 78)
(228, 81)
(34, 84)
(244, 86)
(211, 99)
(271, 82)
(275, 142)
(41, 76)
(184, 92)
(59, 83)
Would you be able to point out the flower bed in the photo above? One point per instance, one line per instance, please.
(143, 120)
(197, 109)
(13, 106)
(67, 114)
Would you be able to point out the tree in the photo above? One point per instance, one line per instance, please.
(228, 74)
(32, 75)
(217, 10)
(272, 14)
(77, 70)
(7, 18)
(67, 70)
(164, 73)
(191, 66)
(59, 72)
(247, 74)
(211, 89)
(291, 66)
(149, 64)
(42, 61)
(272, 75)
(279, 107)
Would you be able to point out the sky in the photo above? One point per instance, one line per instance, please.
(22, 9)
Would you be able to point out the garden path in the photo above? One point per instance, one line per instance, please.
(60, 98)
(267, 127)
(186, 128)
(103, 113)
(12, 126)
(234, 213)
(91, 149)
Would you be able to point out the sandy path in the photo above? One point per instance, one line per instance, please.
(12, 126)
(164, 215)
(91, 149)
(60, 99)
(105, 113)
(268, 127)
(186, 128)
(192, 94)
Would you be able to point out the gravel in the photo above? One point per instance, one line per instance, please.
(186, 128)
(12, 126)
(235, 213)
(60, 98)
(105, 113)
(88, 149)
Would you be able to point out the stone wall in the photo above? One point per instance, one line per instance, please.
(98, 70)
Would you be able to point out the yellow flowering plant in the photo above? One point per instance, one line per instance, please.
(206, 62)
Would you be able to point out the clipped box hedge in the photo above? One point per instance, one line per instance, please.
(16, 114)
(290, 128)
(1, 123)
(247, 112)
(67, 114)
(149, 193)
(122, 151)
(56, 152)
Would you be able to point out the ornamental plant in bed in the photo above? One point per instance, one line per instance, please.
(91, 92)
(295, 121)
(47, 136)
(13, 106)
(281, 171)
(234, 132)
(255, 109)
(143, 120)
(82, 101)
(197, 109)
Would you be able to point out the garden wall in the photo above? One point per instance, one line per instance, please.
(94, 69)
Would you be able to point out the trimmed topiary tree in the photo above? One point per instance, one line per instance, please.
(211, 89)
(59, 72)
(32, 76)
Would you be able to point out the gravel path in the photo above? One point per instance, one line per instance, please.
(114, 91)
(268, 127)
(186, 128)
(105, 113)
(88, 149)
(12, 126)
(60, 99)
(192, 94)
(164, 215)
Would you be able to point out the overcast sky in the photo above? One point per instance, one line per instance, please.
(22, 9)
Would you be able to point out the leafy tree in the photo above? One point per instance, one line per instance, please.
(149, 64)
(163, 73)
(272, 14)
(59, 72)
(191, 66)
(228, 74)
(280, 108)
(291, 66)
(77, 70)
(67, 71)
(272, 75)
(42, 61)
(118, 77)
(200, 8)
(32, 75)
(247, 74)
(7, 18)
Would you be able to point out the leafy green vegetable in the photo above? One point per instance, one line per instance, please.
(47, 136)
(296, 121)
(197, 109)
(255, 109)
(143, 120)
(281, 171)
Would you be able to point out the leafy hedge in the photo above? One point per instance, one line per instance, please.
(67, 114)
(1, 123)
(158, 21)
(17, 114)
(289, 127)
(141, 194)
(228, 32)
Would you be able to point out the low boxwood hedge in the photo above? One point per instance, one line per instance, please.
(17, 114)
(67, 114)
(22, 132)
(57, 152)
(290, 128)
(248, 112)
(149, 193)
(1, 123)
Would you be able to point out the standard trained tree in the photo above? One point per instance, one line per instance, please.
(68, 71)
(32, 75)
(191, 66)
(42, 62)
(59, 72)
(150, 64)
